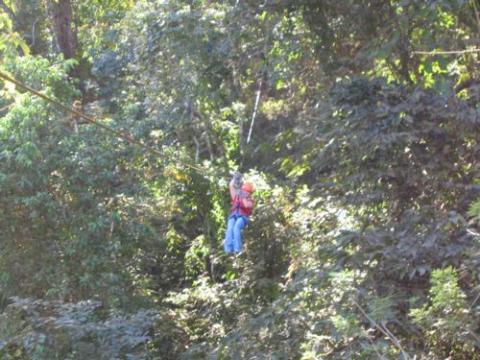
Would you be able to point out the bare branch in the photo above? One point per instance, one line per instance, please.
(34, 32)
(197, 149)
(477, 16)
(383, 329)
(474, 301)
(450, 52)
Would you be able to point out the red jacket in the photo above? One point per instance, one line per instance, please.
(242, 204)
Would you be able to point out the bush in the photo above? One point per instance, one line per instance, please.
(446, 320)
(34, 329)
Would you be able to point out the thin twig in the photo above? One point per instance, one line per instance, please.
(473, 232)
(380, 356)
(32, 44)
(384, 331)
(474, 301)
(197, 148)
(387, 330)
(475, 336)
(477, 17)
(448, 52)
(5, 107)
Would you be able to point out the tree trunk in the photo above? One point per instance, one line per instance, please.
(62, 21)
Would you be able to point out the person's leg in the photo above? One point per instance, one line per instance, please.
(237, 234)
(228, 243)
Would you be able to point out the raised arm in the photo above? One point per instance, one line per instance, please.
(233, 190)
(235, 185)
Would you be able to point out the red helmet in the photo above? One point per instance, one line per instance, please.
(248, 187)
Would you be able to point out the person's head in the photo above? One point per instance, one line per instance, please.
(248, 187)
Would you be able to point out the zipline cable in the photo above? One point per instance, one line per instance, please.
(255, 108)
(122, 135)
(252, 122)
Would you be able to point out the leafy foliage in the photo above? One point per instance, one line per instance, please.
(38, 329)
(364, 239)
(447, 314)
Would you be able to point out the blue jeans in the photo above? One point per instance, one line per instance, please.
(233, 236)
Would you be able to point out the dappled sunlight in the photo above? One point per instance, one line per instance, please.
(239, 179)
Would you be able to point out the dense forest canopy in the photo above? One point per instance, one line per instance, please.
(357, 121)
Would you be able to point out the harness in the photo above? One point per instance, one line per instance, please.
(237, 209)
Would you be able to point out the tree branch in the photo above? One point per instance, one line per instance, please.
(32, 44)
(384, 330)
(451, 52)
(477, 17)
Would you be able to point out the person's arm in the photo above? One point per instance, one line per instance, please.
(235, 185)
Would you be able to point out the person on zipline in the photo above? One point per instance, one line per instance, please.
(242, 207)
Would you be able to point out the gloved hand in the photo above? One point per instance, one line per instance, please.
(237, 180)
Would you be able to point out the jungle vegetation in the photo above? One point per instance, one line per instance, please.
(358, 121)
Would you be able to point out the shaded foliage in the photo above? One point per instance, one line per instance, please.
(364, 241)
(38, 329)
